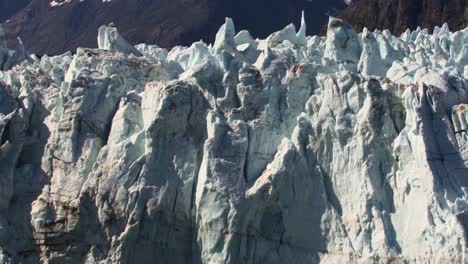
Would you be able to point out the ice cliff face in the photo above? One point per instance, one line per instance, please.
(351, 148)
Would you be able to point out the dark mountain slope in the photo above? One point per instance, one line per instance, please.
(53, 30)
(8, 8)
(398, 15)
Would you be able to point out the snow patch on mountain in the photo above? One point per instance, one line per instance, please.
(55, 3)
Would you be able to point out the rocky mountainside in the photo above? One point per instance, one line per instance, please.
(349, 148)
(400, 15)
(54, 27)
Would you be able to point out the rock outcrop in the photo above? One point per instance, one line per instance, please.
(349, 148)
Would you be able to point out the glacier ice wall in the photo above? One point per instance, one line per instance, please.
(349, 148)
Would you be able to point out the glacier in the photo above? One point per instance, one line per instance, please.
(346, 148)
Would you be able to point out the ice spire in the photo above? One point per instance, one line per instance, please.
(301, 34)
(109, 38)
(342, 42)
(225, 36)
(370, 62)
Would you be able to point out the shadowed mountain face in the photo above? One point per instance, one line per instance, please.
(9, 8)
(399, 15)
(53, 30)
